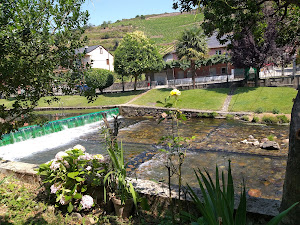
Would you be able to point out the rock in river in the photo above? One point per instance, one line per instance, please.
(270, 145)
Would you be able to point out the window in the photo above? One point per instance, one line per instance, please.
(107, 61)
(219, 52)
(223, 70)
(212, 71)
(101, 50)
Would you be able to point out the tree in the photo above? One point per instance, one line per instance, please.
(99, 78)
(136, 54)
(36, 36)
(228, 18)
(192, 46)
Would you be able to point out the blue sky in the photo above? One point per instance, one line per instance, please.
(105, 10)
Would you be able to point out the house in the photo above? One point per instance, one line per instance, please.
(214, 48)
(97, 57)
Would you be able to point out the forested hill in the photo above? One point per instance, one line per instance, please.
(163, 29)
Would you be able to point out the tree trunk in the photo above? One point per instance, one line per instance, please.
(256, 76)
(291, 187)
(135, 81)
(193, 72)
(123, 86)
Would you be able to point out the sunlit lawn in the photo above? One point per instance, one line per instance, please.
(81, 101)
(267, 98)
(205, 99)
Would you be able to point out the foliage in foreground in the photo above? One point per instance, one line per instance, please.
(73, 176)
(218, 201)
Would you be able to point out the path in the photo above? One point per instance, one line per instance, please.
(137, 97)
(228, 99)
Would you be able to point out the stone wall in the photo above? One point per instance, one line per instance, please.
(156, 193)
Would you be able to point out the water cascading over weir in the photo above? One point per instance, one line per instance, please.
(34, 131)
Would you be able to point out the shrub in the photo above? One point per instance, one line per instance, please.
(208, 115)
(282, 119)
(259, 110)
(72, 176)
(275, 111)
(245, 118)
(229, 117)
(99, 78)
(269, 120)
(143, 17)
(255, 119)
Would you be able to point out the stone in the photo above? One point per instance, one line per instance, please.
(89, 220)
(251, 137)
(50, 209)
(244, 141)
(286, 141)
(264, 139)
(270, 145)
(76, 216)
(255, 143)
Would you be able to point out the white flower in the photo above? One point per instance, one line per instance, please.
(164, 115)
(99, 157)
(86, 202)
(54, 165)
(60, 155)
(79, 147)
(67, 165)
(54, 188)
(63, 201)
(88, 168)
(86, 156)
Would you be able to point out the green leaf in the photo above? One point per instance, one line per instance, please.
(73, 174)
(70, 207)
(77, 196)
(79, 179)
(84, 188)
(279, 217)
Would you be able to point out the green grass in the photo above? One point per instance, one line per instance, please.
(267, 98)
(162, 30)
(205, 99)
(81, 101)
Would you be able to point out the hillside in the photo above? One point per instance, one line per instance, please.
(163, 29)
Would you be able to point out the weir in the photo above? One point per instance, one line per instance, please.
(34, 131)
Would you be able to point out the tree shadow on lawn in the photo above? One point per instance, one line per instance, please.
(122, 94)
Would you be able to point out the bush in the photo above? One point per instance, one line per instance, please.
(245, 118)
(72, 177)
(259, 110)
(255, 119)
(282, 119)
(229, 117)
(143, 17)
(208, 115)
(269, 120)
(99, 78)
(275, 111)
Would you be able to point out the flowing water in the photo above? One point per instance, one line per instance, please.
(216, 141)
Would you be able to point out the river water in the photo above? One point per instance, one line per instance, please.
(216, 141)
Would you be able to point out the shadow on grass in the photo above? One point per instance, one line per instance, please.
(122, 94)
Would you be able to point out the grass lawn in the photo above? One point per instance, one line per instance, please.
(205, 99)
(80, 101)
(267, 98)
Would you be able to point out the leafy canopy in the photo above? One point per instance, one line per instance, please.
(192, 45)
(36, 36)
(136, 54)
(99, 78)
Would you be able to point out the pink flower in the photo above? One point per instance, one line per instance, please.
(86, 156)
(54, 188)
(67, 165)
(60, 155)
(87, 202)
(164, 115)
(54, 165)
